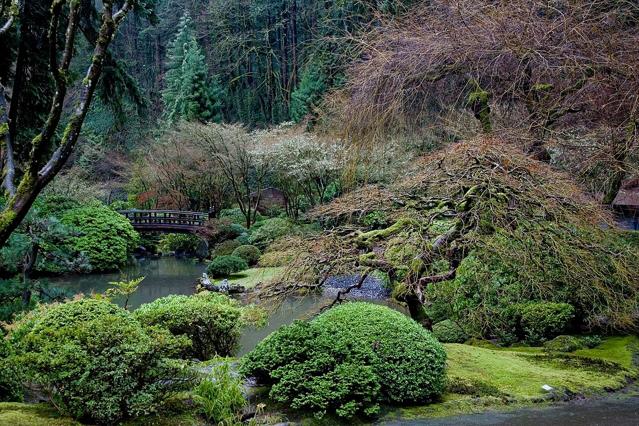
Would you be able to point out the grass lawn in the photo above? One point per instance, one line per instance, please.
(251, 277)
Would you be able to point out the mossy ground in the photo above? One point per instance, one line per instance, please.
(251, 277)
(519, 373)
(18, 414)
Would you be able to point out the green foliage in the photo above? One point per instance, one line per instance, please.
(448, 331)
(249, 253)
(106, 237)
(223, 266)
(309, 92)
(189, 93)
(375, 219)
(211, 321)
(97, 362)
(269, 230)
(219, 397)
(349, 360)
(591, 341)
(563, 343)
(179, 243)
(124, 289)
(225, 248)
(11, 375)
(236, 216)
(543, 320)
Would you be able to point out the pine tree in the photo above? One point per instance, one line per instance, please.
(188, 94)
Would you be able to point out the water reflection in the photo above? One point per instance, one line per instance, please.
(164, 276)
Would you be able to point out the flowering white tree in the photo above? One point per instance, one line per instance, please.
(302, 166)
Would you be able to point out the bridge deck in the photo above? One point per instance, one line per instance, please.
(165, 220)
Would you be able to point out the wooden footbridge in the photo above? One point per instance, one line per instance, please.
(165, 220)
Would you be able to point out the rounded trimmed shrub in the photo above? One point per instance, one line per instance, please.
(106, 237)
(349, 360)
(212, 322)
(563, 343)
(448, 331)
(249, 253)
(541, 321)
(224, 248)
(99, 364)
(223, 266)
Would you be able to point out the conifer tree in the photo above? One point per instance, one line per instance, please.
(189, 94)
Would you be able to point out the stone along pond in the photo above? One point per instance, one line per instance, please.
(169, 275)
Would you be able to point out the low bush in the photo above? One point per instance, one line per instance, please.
(224, 248)
(219, 396)
(96, 361)
(235, 215)
(563, 343)
(223, 266)
(349, 360)
(180, 243)
(269, 230)
(541, 321)
(250, 254)
(211, 321)
(106, 237)
(591, 341)
(448, 331)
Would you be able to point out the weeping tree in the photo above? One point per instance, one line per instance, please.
(29, 165)
(535, 71)
(476, 228)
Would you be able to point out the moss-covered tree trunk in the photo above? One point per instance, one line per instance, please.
(41, 168)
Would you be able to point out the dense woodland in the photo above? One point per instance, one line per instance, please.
(475, 161)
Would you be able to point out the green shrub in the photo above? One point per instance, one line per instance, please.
(11, 376)
(563, 343)
(250, 254)
(269, 230)
(541, 321)
(591, 341)
(224, 248)
(349, 360)
(223, 266)
(448, 331)
(181, 243)
(219, 396)
(212, 322)
(98, 363)
(236, 216)
(106, 237)
(56, 205)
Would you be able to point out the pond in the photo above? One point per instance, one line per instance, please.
(170, 275)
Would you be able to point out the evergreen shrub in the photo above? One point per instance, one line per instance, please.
(98, 363)
(249, 253)
(212, 322)
(224, 266)
(349, 360)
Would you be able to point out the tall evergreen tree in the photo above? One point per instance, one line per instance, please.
(189, 94)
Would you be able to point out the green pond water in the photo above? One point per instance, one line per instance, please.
(169, 275)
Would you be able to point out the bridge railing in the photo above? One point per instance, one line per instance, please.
(170, 218)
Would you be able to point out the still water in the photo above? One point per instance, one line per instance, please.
(169, 275)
